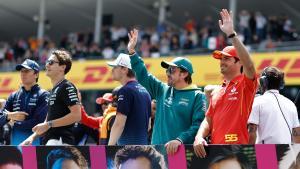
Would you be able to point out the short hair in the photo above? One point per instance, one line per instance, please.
(227, 154)
(131, 73)
(64, 58)
(188, 78)
(274, 78)
(132, 152)
(10, 155)
(37, 79)
(70, 153)
(235, 61)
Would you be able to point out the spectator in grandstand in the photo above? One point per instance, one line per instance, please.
(274, 118)
(66, 157)
(180, 104)
(229, 109)
(64, 105)
(134, 106)
(103, 123)
(11, 158)
(27, 106)
(136, 157)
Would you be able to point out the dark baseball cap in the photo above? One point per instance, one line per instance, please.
(181, 62)
(28, 64)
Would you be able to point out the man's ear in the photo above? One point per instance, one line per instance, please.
(64, 67)
(184, 74)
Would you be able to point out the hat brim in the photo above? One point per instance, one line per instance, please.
(101, 100)
(166, 64)
(217, 54)
(19, 67)
(111, 64)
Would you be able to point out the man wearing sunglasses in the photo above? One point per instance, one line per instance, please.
(180, 104)
(230, 106)
(26, 107)
(64, 105)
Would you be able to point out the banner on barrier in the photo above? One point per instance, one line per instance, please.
(259, 156)
(91, 74)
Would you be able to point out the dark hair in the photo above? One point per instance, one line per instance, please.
(227, 154)
(10, 155)
(64, 58)
(70, 153)
(272, 78)
(235, 61)
(37, 79)
(130, 73)
(132, 152)
(115, 96)
(188, 78)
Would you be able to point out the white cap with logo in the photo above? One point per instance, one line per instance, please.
(122, 60)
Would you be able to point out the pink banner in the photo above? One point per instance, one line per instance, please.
(98, 157)
(29, 157)
(266, 156)
(178, 160)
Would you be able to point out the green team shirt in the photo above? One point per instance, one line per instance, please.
(178, 112)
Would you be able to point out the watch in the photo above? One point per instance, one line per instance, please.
(232, 35)
(50, 123)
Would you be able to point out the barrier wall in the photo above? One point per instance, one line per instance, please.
(104, 157)
(97, 75)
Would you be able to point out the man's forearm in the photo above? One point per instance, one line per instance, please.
(68, 119)
(245, 58)
(252, 128)
(296, 135)
(204, 129)
(115, 134)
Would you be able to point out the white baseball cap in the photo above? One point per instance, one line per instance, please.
(122, 60)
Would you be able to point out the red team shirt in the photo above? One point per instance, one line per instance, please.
(229, 111)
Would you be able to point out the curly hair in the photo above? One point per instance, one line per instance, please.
(64, 58)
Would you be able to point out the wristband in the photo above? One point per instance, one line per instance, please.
(232, 35)
(179, 140)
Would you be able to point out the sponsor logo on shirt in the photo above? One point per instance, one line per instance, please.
(183, 102)
(121, 97)
(233, 93)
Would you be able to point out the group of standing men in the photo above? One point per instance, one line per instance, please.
(181, 114)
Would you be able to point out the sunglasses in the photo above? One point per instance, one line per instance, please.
(171, 70)
(51, 62)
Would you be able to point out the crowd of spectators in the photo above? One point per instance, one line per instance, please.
(194, 36)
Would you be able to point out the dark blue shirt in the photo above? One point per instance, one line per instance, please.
(33, 102)
(134, 102)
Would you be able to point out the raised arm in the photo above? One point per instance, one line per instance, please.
(226, 25)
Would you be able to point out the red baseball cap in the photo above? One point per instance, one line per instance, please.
(107, 97)
(227, 51)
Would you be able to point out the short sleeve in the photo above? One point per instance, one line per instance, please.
(209, 113)
(69, 95)
(254, 115)
(124, 101)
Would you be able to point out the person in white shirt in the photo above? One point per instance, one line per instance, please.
(274, 118)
